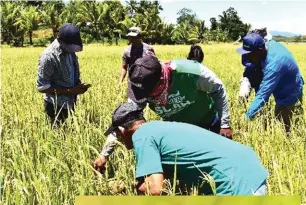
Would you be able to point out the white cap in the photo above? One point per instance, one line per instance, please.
(134, 31)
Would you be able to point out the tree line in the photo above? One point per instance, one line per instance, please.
(295, 39)
(108, 21)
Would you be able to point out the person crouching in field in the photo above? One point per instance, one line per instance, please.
(180, 90)
(196, 53)
(252, 75)
(281, 77)
(164, 149)
(135, 50)
(58, 74)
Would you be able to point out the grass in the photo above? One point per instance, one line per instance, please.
(43, 166)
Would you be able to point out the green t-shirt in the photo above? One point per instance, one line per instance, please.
(186, 102)
(159, 145)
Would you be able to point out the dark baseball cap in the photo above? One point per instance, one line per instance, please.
(251, 42)
(70, 34)
(124, 113)
(144, 74)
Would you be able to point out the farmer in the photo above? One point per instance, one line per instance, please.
(281, 76)
(58, 74)
(252, 75)
(181, 91)
(135, 50)
(196, 53)
(166, 148)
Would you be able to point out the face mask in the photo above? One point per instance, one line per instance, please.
(71, 48)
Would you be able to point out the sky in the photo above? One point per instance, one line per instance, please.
(289, 16)
(283, 15)
(280, 15)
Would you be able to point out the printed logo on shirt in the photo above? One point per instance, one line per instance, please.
(176, 103)
(138, 85)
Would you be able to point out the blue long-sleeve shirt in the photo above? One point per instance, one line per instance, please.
(281, 77)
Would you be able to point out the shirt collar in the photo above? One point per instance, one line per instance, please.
(56, 47)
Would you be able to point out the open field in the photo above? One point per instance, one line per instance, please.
(43, 166)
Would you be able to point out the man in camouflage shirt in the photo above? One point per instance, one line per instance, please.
(58, 74)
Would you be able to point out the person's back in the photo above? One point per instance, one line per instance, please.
(290, 82)
(185, 101)
(234, 167)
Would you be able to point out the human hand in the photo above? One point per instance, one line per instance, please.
(99, 164)
(226, 132)
(85, 85)
(79, 89)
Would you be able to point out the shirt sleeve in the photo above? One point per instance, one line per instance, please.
(148, 159)
(209, 82)
(270, 80)
(45, 71)
(109, 145)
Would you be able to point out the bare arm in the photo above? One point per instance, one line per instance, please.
(148, 165)
(123, 73)
(152, 185)
(53, 91)
(125, 59)
(70, 91)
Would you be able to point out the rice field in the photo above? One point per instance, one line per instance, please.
(40, 165)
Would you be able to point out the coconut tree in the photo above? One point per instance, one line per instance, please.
(167, 33)
(94, 14)
(10, 12)
(117, 20)
(52, 15)
(28, 21)
(69, 14)
(185, 34)
(155, 25)
(200, 29)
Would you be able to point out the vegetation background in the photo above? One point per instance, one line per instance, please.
(107, 22)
